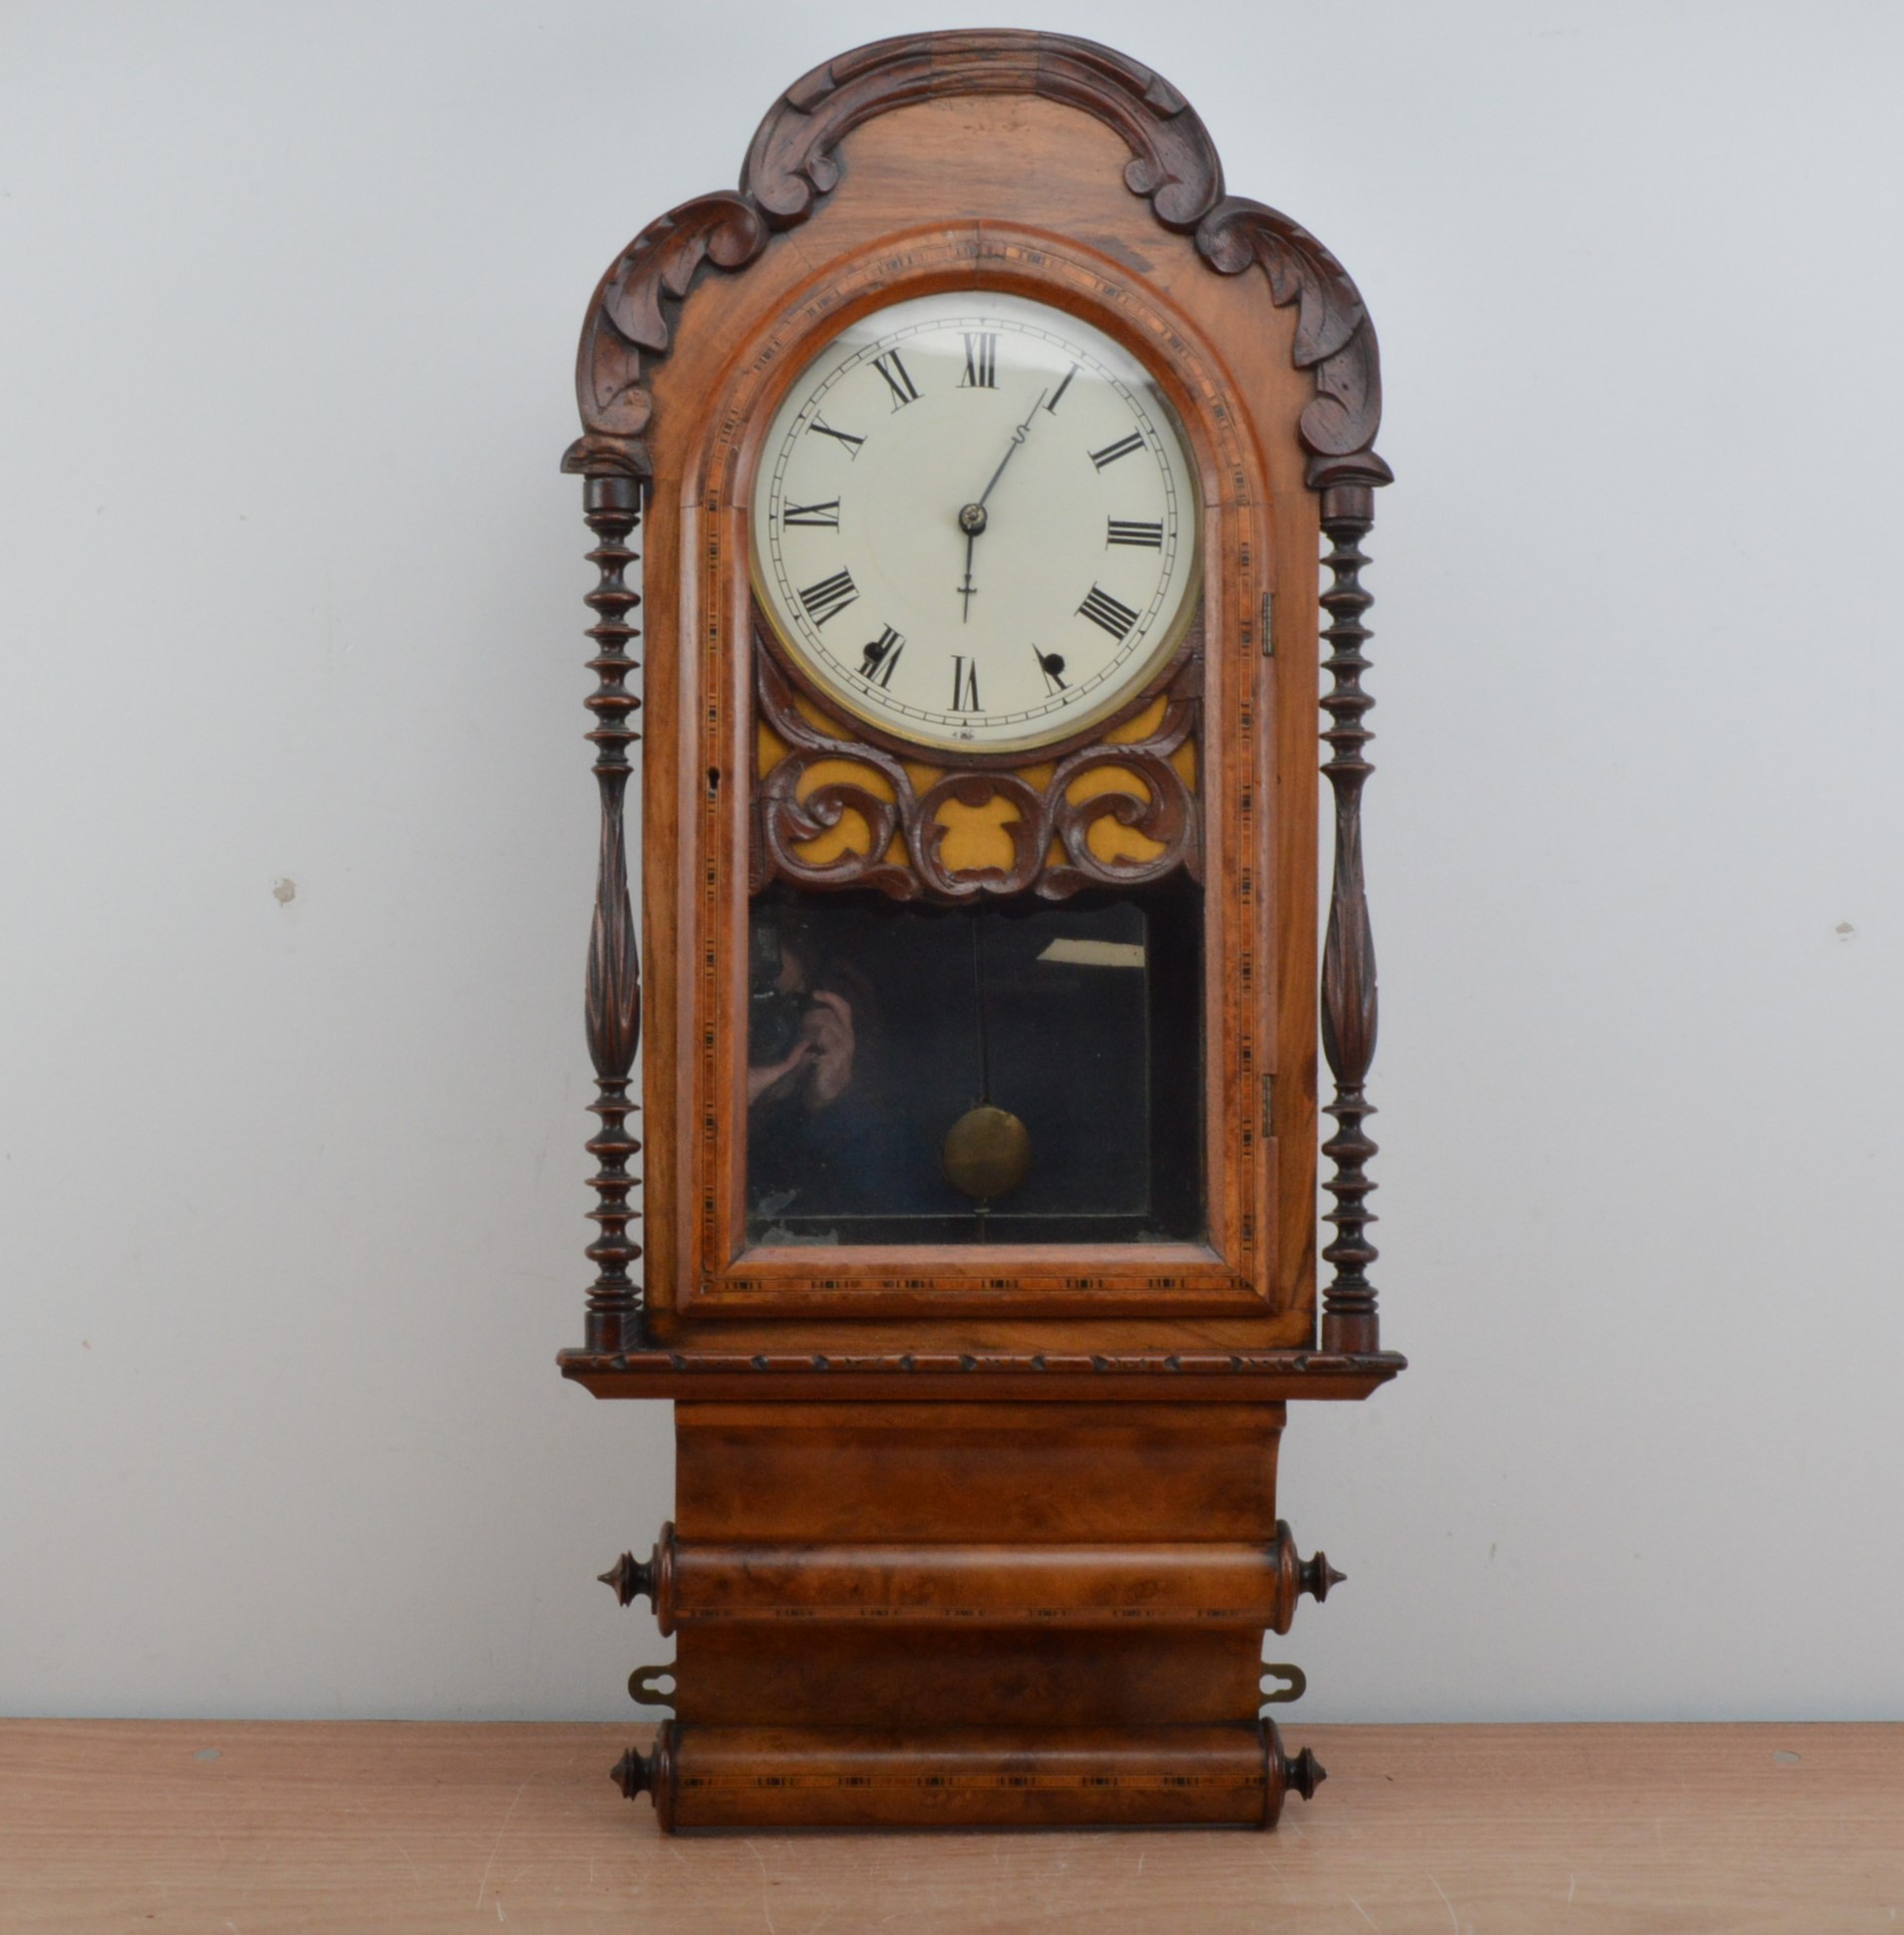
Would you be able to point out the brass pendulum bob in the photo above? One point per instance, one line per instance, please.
(985, 1152)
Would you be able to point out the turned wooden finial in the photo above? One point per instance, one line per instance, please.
(1304, 1774)
(631, 1577)
(1295, 1576)
(634, 1773)
(1286, 1774)
(1315, 1576)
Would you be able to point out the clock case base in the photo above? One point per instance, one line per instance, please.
(1004, 1613)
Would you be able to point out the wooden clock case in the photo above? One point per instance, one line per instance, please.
(978, 1534)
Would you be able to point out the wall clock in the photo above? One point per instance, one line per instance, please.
(981, 448)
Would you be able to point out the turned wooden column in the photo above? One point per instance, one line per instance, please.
(1349, 1317)
(612, 508)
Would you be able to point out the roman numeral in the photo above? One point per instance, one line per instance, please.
(830, 596)
(1122, 531)
(881, 656)
(1102, 609)
(1051, 406)
(1121, 448)
(844, 438)
(981, 362)
(904, 391)
(810, 516)
(1051, 665)
(965, 683)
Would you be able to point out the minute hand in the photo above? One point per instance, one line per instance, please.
(1011, 450)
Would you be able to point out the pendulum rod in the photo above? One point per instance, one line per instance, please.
(978, 1009)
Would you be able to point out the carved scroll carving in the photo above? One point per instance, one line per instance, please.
(792, 164)
(1335, 341)
(631, 321)
(613, 511)
(1174, 165)
(1174, 162)
(1048, 826)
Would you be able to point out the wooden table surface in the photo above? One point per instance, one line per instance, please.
(241, 1828)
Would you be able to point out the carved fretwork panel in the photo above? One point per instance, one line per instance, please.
(833, 809)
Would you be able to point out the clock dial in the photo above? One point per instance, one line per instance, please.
(975, 522)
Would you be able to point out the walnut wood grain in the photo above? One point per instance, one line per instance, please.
(1174, 165)
(986, 1375)
(613, 511)
(794, 162)
(1112, 1470)
(831, 1776)
(822, 148)
(940, 1582)
(996, 1514)
(1349, 1319)
(979, 1532)
(792, 159)
(934, 1676)
(702, 1266)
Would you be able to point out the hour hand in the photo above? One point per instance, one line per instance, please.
(971, 521)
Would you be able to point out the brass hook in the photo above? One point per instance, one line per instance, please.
(1295, 1683)
(643, 1690)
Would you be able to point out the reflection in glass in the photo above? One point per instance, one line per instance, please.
(1047, 1056)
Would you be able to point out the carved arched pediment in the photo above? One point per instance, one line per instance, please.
(794, 162)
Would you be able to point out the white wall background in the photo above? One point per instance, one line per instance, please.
(293, 1189)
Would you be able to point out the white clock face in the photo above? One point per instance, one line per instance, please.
(975, 522)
